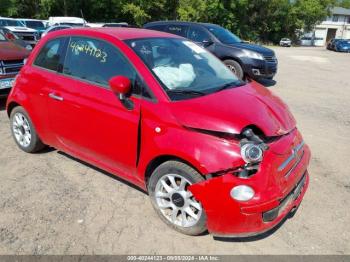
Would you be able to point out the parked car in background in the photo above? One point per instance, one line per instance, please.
(332, 42)
(36, 24)
(11, 61)
(342, 45)
(121, 24)
(305, 41)
(14, 38)
(66, 20)
(28, 35)
(286, 42)
(242, 58)
(55, 28)
(225, 157)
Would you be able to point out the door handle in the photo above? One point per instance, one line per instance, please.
(56, 97)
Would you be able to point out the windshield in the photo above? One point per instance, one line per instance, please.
(9, 22)
(183, 68)
(35, 24)
(2, 37)
(223, 35)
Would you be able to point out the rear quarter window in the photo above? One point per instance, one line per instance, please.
(51, 56)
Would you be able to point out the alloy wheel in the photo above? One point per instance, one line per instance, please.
(21, 130)
(176, 203)
(232, 68)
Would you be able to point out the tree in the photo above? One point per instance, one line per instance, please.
(256, 20)
(344, 3)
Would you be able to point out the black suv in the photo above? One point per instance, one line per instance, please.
(244, 59)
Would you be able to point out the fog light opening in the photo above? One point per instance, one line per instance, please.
(256, 72)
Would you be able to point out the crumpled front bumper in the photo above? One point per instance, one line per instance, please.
(229, 218)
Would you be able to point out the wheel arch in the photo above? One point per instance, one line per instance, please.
(11, 106)
(157, 161)
(232, 58)
(236, 59)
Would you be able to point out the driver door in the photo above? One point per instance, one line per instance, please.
(86, 117)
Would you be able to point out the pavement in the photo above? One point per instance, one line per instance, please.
(51, 203)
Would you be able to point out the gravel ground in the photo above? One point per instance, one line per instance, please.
(53, 204)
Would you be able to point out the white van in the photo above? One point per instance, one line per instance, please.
(66, 20)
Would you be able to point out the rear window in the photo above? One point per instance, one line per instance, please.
(180, 30)
(157, 27)
(9, 22)
(35, 24)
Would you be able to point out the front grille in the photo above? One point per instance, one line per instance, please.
(296, 155)
(271, 59)
(12, 70)
(12, 62)
(272, 214)
(26, 36)
(10, 67)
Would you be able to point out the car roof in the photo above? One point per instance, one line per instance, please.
(179, 23)
(7, 18)
(29, 19)
(121, 33)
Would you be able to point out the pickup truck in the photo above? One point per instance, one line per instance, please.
(12, 58)
(28, 35)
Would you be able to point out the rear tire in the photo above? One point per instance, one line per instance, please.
(235, 67)
(173, 202)
(23, 131)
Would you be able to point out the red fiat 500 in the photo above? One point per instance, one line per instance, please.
(213, 152)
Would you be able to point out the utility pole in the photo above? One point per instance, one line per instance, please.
(65, 8)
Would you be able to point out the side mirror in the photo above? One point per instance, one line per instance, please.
(120, 85)
(207, 42)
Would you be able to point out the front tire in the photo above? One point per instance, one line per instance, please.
(235, 67)
(173, 202)
(23, 131)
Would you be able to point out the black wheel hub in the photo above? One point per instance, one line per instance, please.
(21, 129)
(178, 200)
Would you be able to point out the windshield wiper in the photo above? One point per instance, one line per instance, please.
(186, 92)
(230, 85)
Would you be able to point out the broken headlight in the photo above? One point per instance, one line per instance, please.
(251, 153)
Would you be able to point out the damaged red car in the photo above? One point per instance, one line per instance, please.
(214, 153)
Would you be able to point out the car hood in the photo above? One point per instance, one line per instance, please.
(11, 51)
(256, 48)
(233, 109)
(20, 29)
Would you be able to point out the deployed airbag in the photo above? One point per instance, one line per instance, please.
(175, 77)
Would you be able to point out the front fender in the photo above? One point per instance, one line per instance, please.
(206, 153)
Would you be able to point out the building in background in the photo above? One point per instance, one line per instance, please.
(337, 25)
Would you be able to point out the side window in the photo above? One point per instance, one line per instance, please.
(51, 56)
(95, 61)
(180, 30)
(197, 34)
